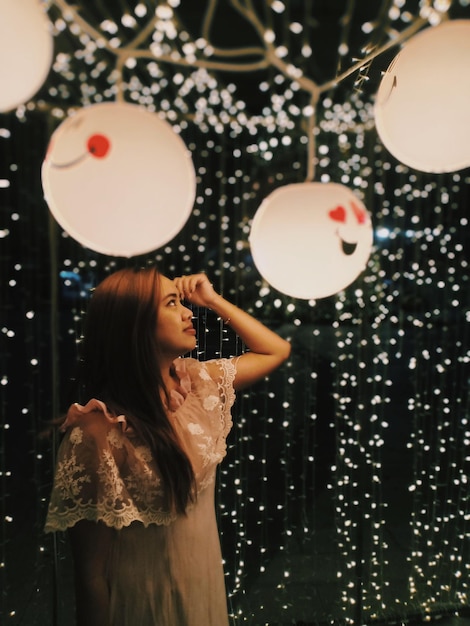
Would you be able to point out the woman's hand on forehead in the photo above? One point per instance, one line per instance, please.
(196, 289)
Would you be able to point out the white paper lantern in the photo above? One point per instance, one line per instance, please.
(118, 179)
(423, 102)
(311, 240)
(26, 49)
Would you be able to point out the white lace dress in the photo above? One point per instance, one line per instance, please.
(164, 570)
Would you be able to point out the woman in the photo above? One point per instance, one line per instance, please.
(134, 482)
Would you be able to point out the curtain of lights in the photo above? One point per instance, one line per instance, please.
(344, 496)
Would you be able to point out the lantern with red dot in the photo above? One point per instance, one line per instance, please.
(311, 240)
(26, 49)
(119, 179)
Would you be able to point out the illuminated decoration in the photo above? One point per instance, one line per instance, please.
(311, 240)
(423, 100)
(344, 495)
(118, 179)
(26, 48)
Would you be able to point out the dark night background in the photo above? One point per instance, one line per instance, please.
(344, 495)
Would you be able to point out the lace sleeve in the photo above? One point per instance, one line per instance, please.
(101, 475)
(227, 369)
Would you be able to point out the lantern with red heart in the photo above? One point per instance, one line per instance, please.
(311, 240)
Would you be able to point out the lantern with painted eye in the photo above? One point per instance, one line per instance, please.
(118, 179)
(311, 240)
(423, 102)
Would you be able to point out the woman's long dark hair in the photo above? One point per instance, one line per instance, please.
(119, 366)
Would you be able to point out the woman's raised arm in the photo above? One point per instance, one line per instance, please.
(267, 350)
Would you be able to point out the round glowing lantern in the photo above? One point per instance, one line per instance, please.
(118, 179)
(423, 102)
(26, 49)
(311, 240)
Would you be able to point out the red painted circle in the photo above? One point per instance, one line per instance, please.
(98, 145)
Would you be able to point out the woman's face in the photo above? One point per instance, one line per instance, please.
(176, 334)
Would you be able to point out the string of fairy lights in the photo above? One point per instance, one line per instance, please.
(344, 497)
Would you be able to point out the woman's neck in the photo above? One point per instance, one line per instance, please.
(168, 375)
